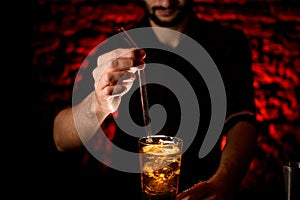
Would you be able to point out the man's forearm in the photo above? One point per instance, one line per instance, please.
(74, 125)
(236, 156)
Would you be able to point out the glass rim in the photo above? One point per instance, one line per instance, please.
(142, 140)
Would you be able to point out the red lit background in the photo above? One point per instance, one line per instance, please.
(64, 32)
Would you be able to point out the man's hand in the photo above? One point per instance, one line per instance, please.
(205, 191)
(114, 76)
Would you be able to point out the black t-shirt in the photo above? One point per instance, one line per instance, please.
(230, 52)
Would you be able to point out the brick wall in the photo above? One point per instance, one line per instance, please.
(64, 32)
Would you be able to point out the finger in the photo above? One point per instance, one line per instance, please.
(139, 67)
(104, 61)
(198, 190)
(128, 77)
(114, 91)
(117, 78)
(128, 85)
(121, 52)
(112, 55)
(184, 195)
(127, 64)
(130, 53)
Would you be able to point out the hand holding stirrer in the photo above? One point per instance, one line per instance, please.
(142, 85)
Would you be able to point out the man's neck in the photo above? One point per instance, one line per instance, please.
(170, 38)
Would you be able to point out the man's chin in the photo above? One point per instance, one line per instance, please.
(166, 21)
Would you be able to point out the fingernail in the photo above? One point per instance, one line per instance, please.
(143, 53)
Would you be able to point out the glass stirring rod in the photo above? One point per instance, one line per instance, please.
(142, 85)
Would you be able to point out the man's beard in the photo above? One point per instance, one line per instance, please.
(183, 12)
